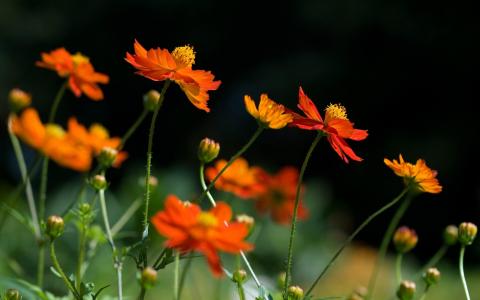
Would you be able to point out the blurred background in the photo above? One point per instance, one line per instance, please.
(405, 70)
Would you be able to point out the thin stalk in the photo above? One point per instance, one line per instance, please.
(149, 166)
(156, 264)
(117, 263)
(126, 216)
(384, 245)
(81, 255)
(353, 235)
(56, 102)
(295, 209)
(42, 195)
(398, 267)
(214, 204)
(241, 292)
(133, 128)
(433, 261)
(424, 295)
(60, 271)
(183, 277)
(232, 159)
(176, 281)
(40, 265)
(462, 273)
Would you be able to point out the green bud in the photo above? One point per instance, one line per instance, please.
(98, 182)
(239, 276)
(432, 276)
(13, 294)
(467, 233)
(151, 100)
(148, 278)
(55, 226)
(450, 235)
(107, 156)
(19, 99)
(406, 290)
(208, 150)
(295, 292)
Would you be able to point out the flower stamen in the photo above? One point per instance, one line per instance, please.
(184, 55)
(336, 111)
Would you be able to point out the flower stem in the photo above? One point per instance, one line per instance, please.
(241, 292)
(462, 274)
(232, 159)
(433, 261)
(148, 170)
(132, 129)
(242, 254)
(117, 263)
(183, 277)
(56, 102)
(398, 267)
(295, 209)
(176, 282)
(353, 235)
(59, 269)
(424, 295)
(81, 254)
(384, 245)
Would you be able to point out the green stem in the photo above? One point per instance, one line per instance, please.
(156, 264)
(148, 170)
(59, 269)
(42, 195)
(117, 263)
(183, 277)
(398, 267)
(214, 204)
(424, 295)
(353, 235)
(433, 261)
(81, 255)
(133, 128)
(462, 273)
(176, 281)
(241, 292)
(40, 265)
(232, 159)
(56, 102)
(295, 209)
(127, 216)
(385, 241)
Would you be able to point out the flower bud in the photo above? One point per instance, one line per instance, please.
(450, 235)
(358, 294)
(405, 239)
(208, 150)
(55, 226)
(406, 291)
(148, 278)
(281, 280)
(431, 276)
(84, 208)
(247, 220)
(107, 156)
(467, 233)
(151, 100)
(13, 294)
(98, 182)
(295, 292)
(19, 99)
(239, 276)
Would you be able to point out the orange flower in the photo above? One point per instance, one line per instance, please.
(82, 77)
(239, 178)
(159, 64)
(51, 140)
(269, 113)
(419, 174)
(188, 228)
(336, 125)
(279, 197)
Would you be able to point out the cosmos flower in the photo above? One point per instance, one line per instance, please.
(419, 174)
(269, 113)
(335, 126)
(188, 228)
(159, 65)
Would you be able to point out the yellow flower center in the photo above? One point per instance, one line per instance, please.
(207, 219)
(99, 131)
(336, 111)
(54, 130)
(79, 58)
(185, 55)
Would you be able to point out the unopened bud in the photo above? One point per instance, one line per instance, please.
(148, 278)
(107, 156)
(247, 220)
(55, 226)
(431, 276)
(405, 239)
(84, 208)
(98, 182)
(295, 292)
(208, 150)
(450, 235)
(239, 276)
(19, 99)
(406, 291)
(467, 233)
(151, 100)
(281, 280)
(13, 294)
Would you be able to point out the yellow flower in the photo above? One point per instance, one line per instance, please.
(419, 173)
(269, 113)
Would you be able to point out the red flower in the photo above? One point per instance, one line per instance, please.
(336, 125)
(188, 228)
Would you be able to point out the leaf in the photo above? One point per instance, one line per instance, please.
(94, 297)
(55, 272)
